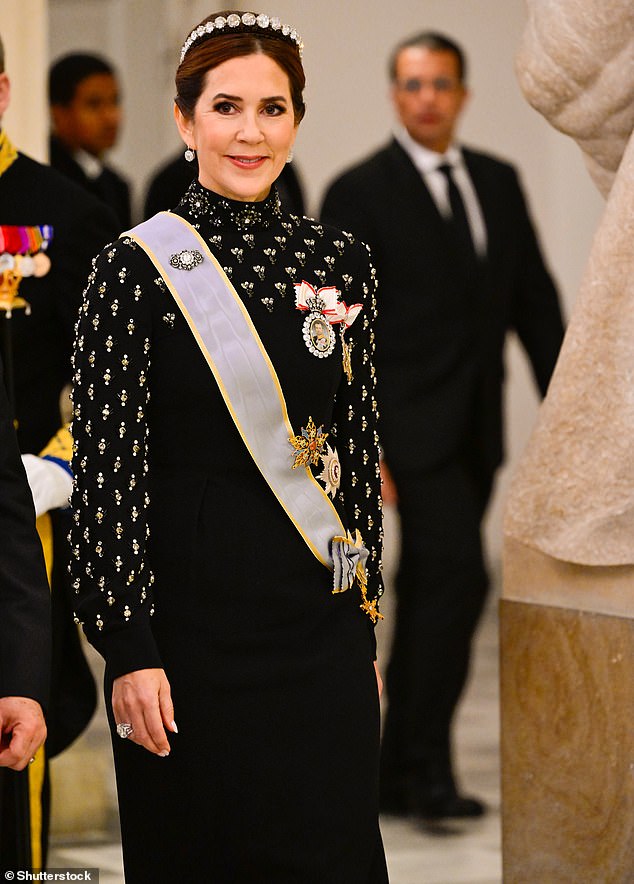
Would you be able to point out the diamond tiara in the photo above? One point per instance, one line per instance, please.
(247, 20)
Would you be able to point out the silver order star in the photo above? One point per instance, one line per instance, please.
(331, 473)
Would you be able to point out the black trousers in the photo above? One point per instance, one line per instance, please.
(16, 815)
(441, 587)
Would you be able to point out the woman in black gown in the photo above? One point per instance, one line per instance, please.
(201, 574)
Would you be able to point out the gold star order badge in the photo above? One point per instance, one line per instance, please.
(308, 445)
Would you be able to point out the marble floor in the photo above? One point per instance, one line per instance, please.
(449, 853)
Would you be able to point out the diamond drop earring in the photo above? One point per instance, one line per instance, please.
(190, 155)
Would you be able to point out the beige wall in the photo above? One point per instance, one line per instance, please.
(347, 45)
(24, 30)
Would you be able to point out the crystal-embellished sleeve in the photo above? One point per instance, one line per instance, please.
(356, 416)
(110, 576)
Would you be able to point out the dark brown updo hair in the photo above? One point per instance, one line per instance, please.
(210, 51)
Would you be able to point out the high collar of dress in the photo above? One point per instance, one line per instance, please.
(202, 204)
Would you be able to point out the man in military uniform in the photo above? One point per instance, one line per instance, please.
(33, 195)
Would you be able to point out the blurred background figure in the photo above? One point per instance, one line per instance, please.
(459, 266)
(85, 104)
(172, 180)
(56, 228)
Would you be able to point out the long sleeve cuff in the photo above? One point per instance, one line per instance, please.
(128, 649)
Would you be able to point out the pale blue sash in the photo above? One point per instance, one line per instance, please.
(250, 387)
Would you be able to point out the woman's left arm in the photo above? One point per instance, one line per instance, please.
(355, 419)
(110, 571)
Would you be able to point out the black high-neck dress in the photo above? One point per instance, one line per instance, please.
(184, 559)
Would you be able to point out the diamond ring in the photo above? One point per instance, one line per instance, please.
(124, 730)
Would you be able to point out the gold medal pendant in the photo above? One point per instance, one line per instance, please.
(346, 351)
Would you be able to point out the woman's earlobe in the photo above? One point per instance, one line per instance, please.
(183, 125)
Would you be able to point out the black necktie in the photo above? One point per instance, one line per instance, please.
(458, 223)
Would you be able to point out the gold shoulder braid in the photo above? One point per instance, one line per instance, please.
(8, 153)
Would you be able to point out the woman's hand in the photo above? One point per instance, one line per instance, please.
(379, 680)
(143, 700)
(22, 731)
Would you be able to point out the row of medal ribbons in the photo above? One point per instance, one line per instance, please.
(22, 249)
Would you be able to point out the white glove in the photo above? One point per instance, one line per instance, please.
(50, 484)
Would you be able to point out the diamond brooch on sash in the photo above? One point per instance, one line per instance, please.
(187, 259)
(308, 445)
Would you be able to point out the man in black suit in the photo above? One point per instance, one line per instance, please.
(85, 104)
(459, 266)
(31, 195)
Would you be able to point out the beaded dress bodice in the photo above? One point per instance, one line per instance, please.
(148, 415)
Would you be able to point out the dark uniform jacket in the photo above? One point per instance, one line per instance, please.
(25, 615)
(32, 194)
(443, 320)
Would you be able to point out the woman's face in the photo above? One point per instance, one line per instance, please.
(243, 127)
